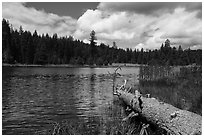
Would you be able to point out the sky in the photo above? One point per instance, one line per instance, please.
(133, 25)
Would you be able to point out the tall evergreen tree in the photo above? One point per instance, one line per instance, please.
(92, 47)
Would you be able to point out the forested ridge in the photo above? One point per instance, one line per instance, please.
(23, 47)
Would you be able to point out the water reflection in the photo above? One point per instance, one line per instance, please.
(33, 98)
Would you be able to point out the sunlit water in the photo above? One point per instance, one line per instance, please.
(35, 97)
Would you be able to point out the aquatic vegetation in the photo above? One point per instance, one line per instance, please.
(179, 86)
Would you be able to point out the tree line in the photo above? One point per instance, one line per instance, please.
(21, 46)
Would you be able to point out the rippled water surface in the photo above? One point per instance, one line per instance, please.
(35, 97)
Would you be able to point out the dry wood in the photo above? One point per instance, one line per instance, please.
(166, 116)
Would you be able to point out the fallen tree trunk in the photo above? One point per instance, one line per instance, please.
(166, 116)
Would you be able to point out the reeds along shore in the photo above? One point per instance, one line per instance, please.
(178, 86)
(159, 72)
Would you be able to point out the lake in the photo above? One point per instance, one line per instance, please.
(36, 99)
(33, 98)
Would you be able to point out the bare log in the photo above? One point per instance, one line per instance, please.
(166, 116)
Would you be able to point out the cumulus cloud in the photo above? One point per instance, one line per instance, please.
(119, 26)
(135, 30)
(130, 25)
(182, 28)
(31, 19)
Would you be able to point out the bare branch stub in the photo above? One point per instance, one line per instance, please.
(114, 75)
(117, 69)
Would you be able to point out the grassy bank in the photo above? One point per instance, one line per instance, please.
(181, 88)
(132, 126)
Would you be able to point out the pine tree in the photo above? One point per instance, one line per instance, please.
(92, 48)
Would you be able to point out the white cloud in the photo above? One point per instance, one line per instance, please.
(139, 46)
(31, 19)
(137, 28)
(181, 27)
(110, 27)
(86, 41)
(131, 30)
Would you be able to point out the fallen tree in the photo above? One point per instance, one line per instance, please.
(166, 116)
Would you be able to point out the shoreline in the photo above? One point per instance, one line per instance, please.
(84, 66)
(71, 66)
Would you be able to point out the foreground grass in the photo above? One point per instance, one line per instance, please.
(130, 127)
(114, 126)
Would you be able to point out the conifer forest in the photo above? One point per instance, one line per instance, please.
(25, 47)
